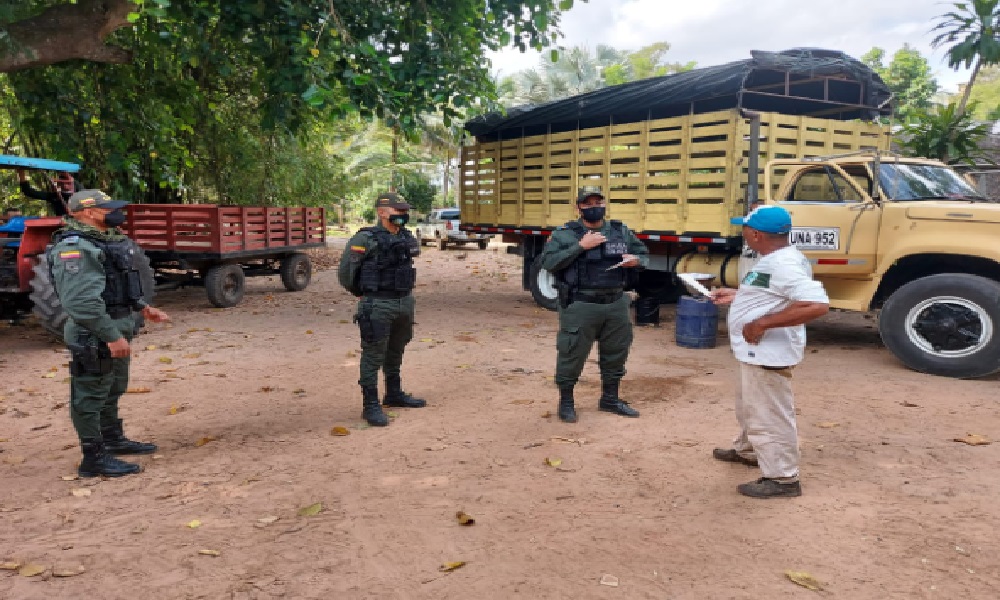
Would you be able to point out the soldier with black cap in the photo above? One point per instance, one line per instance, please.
(93, 269)
(594, 261)
(377, 266)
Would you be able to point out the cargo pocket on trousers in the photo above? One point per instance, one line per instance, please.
(567, 339)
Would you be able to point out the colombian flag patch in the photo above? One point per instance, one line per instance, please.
(69, 254)
(360, 249)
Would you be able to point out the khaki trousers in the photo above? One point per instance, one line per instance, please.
(765, 409)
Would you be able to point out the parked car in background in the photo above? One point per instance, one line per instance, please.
(441, 228)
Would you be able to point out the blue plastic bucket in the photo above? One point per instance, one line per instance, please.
(697, 322)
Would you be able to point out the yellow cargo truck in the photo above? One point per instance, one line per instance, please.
(678, 156)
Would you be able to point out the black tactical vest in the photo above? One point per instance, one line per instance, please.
(391, 269)
(590, 269)
(122, 284)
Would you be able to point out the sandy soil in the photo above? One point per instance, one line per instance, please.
(243, 401)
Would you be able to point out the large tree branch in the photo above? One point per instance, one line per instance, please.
(66, 32)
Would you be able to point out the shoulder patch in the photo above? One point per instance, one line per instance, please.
(71, 239)
(69, 254)
(360, 249)
(758, 279)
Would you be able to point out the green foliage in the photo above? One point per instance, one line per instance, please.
(945, 134)
(909, 77)
(579, 70)
(986, 94)
(972, 35)
(418, 191)
(276, 103)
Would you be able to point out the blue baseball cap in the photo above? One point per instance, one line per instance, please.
(769, 219)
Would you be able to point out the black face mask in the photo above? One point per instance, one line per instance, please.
(115, 218)
(593, 214)
(399, 220)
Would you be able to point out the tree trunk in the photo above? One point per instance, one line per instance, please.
(395, 159)
(447, 176)
(968, 88)
(66, 32)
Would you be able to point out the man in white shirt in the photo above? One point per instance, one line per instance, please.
(767, 333)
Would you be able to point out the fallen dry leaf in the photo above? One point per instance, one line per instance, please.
(205, 552)
(166, 360)
(204, 441)
(547, 414)
(451, 566)
(31, 570)
(309, 331)
(828, 424)
(10, 566)
(69, 477)
(193, 524)
(64, 571)
(340, 431)
(312, 510)
(265, 521)
(974, 439)
(609, 580)
(191, 355)
(81, 492)
(804, 579)
(464, 519)
(49, 376)
(151, 347)
(553, 462)
(522, 402)
(174, 409)
(138, 390)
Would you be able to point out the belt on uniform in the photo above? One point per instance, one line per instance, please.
(387, 295)
(598, 297)
(119, 312)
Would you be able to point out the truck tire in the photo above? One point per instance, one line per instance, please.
(483, 244)
(225, 285)
(48, 309)
(543, 286)
(945, 325)
(442, 243)
(296, 272)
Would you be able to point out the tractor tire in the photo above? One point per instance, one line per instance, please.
(296, 272)
(483, 244)
(543, 286)
(45, 304)
(946, 325)
(48, 309)
(225, 285)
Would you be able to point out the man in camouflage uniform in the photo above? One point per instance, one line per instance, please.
(93, 270)
(377, 266)
(594, 261)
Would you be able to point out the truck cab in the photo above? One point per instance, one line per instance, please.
(910, 238)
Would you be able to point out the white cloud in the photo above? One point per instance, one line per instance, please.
(712, 32)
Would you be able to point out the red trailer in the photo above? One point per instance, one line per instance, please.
(220, 246)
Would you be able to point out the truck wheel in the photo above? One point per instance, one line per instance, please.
(945, 325)
(543, 286)
(483, 244)
(296, 272)
(225, 285)
(442, 243)
(45, 302)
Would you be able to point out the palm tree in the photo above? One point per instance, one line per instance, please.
(972, 34)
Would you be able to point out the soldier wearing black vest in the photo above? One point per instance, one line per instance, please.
(594, 261)
(377, 266)
(93, 269)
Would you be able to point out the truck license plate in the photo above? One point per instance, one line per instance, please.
(816, 238)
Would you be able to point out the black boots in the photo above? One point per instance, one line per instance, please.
(98, 461)
(395, 396)
(115, 441)
(567, 412)
(372, 409)
(610, 402)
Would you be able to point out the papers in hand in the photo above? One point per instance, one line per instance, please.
(616, 266)
(694, 284)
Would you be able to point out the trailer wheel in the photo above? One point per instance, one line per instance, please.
(225, 285)
(543, 286)
(945, 325)
(296, 272)
(442, 243)
(483, 244)
(45, 304)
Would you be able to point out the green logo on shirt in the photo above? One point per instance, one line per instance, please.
(758, 279)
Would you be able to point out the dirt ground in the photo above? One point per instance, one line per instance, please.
(242, 403)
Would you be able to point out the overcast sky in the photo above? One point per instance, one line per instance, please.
(712, 32)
